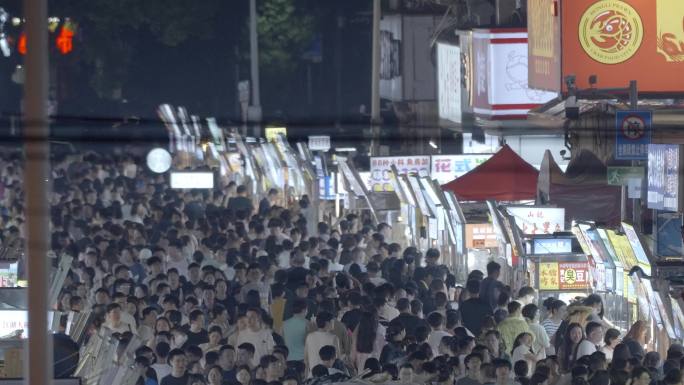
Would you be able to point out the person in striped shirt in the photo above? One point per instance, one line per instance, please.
(557, 310)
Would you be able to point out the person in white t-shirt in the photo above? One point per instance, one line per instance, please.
(436, 322)
(255, 334)
(593, 341)
(318, 339)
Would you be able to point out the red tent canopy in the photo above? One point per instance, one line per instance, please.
(504, 177)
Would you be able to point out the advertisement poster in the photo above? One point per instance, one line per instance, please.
(623, 249)
(446, 168)
(663, 177)
(678, 318)
(449, 82)
(549, 278)
(615, 40)
(480, 236)
(669, 235)
(380, 169)
(538, 220)
(573, 275)
(665, 316)
(543, 27)
(638, 249)
(501, 75)
(632, 134)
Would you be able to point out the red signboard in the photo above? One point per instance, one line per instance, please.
(573, 275)
(616, 40)
(65, 40)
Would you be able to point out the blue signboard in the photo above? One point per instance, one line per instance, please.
(669, 235)
(663, 177)
(632, 134)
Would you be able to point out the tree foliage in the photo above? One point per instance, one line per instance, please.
(285, 30)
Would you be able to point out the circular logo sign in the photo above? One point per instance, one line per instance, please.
(633, 127)
(610, 31)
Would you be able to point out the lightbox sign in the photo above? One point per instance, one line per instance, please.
(480, 236)
(663, 177)
(192, 180)
(541, 246)
(637, 247)
(615, 40)
(380, 169)
(564, 276)
(446, 168)
(501, 89)
(538, 220)
(449, 82)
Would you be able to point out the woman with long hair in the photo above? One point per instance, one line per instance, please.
(368, 339)
(636, 338)
(574, 334)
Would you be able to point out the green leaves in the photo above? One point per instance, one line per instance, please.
(284, 33)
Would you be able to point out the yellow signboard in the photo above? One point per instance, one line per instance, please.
(623, 249)
(273, 132)
(548, 276)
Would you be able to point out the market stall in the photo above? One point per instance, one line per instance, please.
(558, 268)
(650, 302)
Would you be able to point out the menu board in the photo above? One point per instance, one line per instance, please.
(480, 236)
(622, 249)
(678, 318)
(549, 278)
(629, 288)
(638, 249)
(573, 275)
(603, 261)
(665, 316)
(642, 298)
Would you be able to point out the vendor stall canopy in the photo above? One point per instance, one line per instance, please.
(584, 177)
(504, 177)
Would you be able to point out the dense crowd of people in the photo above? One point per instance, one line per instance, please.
(221, 288)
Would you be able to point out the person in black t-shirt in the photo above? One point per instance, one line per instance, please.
(408, 317)
(178, 375)
(353, 316)
(474, 309)
(197, 335)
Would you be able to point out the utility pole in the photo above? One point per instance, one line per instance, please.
(38, 369)
(375, 79)
(254, 112)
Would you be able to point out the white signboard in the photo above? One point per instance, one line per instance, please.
(192, 180)
(538, 220)
(501, 87)
(319, 143)
(446, 168)
(381, 167)
(449, 82)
